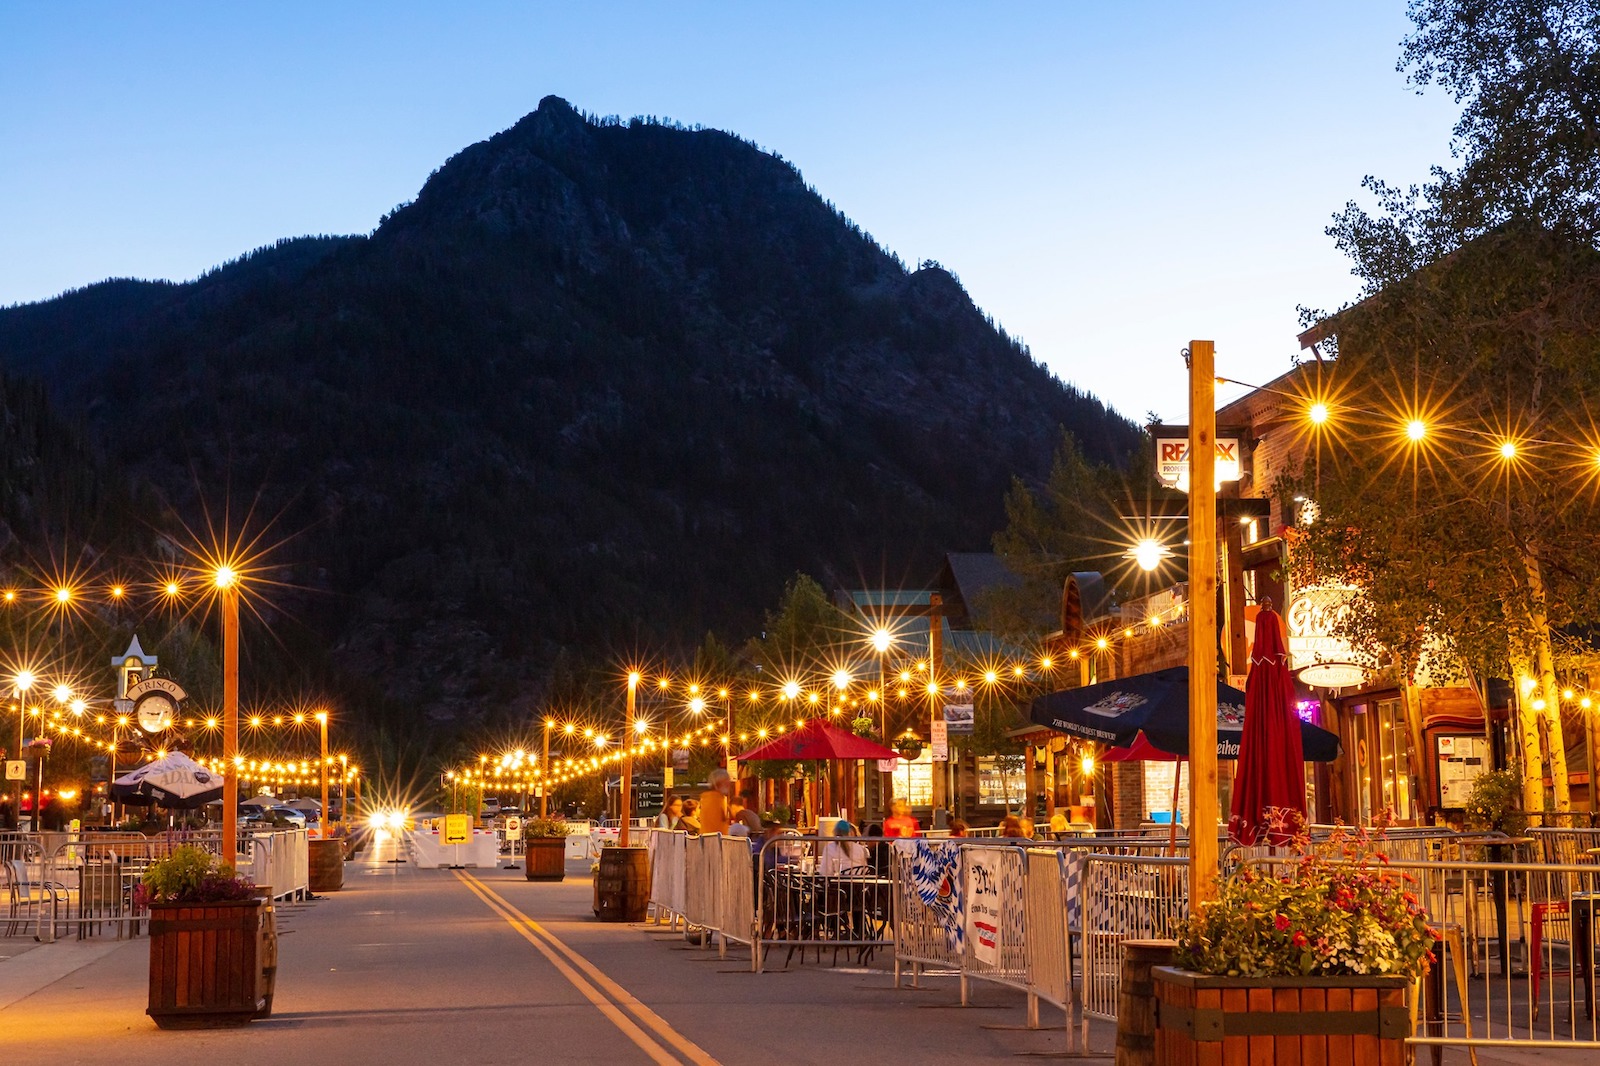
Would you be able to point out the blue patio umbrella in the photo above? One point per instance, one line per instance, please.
(1156, 707)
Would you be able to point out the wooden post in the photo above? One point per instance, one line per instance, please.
(1136, 1004)
(322, 720)
(935, 666)
(230, 723)
(544, 773)
(1203, 820)
(626, 798)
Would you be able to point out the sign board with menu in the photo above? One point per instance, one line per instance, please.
(1460, 760)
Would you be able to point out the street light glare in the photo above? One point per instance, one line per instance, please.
(1508, 450)
(1416, 429)
(63, 693)
(841, 679)
(882, 640)
(226, 577)
(63, 595)
(1318, 413)
(1148, 553)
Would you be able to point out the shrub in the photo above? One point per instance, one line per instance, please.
(191, 875)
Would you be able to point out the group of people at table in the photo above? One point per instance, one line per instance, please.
(722, 809)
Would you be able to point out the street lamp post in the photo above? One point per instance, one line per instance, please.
(627, 761)
(21, 683)
(883, 643)
(322, 723)
(544, 771)
(227, 581)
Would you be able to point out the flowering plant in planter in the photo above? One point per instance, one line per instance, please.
(190, 875)
(1314, 915)
(864, 727)
(540, 828)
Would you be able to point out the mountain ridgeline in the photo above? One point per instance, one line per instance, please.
(601, 386)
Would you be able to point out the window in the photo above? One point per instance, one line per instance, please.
(1001, 781)
(1394, 759)
(913, 780)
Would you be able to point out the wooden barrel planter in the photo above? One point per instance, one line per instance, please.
(326, 864)
(622, 884)
(1336, 1021)
(207, 963)
(545, 858)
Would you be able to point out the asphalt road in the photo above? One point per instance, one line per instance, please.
(480, 967)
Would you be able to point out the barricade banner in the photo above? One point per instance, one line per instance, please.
(936, 883)
(982, 898)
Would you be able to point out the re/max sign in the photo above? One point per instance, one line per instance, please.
(1172, 460)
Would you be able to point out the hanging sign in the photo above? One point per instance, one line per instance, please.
(939, 742)
(1172, 459)
(958, 718)
(983, 904)
(1316, 655)
(16, 770)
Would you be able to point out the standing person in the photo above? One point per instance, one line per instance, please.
(671, 811)
(714, 814)
(900, 823)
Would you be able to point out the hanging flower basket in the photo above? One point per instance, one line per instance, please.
(37, 748)
(864, 727)
(908, 747)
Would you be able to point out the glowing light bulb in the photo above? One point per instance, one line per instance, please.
(1416, 429)
(1318, 413)
(1148, 553)
(1508, 450)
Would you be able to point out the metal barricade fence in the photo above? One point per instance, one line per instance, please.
(1003, 959)
(701, 882)
(1479, 993)
(667, 858)
(928, 924)
(736, 899)
(828, 893)
(1048, 888)
(1126, 897)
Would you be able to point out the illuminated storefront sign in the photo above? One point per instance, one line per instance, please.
(1316, 655)
(1172, 461)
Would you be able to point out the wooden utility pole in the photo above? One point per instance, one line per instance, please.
(935, 669)
(544, 772)
(227, 585)
(627, 761)
(1203, 819)
(322, 721)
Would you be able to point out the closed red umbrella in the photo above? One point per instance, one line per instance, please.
(1271, 770)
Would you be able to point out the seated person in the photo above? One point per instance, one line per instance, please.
(839, 855)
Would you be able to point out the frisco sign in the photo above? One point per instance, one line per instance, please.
(1172, 460)
(1316, 655)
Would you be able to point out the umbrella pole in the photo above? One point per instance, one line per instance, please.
(1172, 830)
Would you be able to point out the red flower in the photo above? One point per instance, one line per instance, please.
(1299, 939)
(1281, 922)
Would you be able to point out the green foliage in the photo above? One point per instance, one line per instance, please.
(1495, 803)
(1067, 524)
(801, 633)
(191, 875)
(545, 827)
(1317, 918)
(1527, 145)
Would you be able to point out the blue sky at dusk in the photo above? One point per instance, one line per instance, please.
(1108, 180)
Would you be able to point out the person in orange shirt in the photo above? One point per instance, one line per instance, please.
(900, 823)
(715, 817)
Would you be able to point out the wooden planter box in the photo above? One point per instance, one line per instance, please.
(208, 963)
(545, 858)
(1330, 1021)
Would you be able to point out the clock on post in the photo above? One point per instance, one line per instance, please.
(155, 703)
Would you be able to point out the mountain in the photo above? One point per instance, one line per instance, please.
(601, 386)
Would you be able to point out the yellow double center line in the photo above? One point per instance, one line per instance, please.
(610, 998)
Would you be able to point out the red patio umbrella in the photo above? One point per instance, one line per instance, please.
(818, 741)
(1271, 762)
